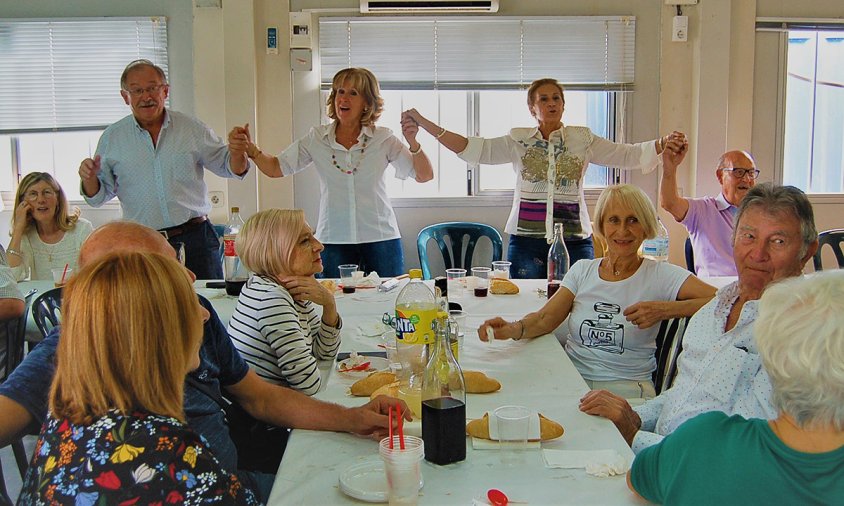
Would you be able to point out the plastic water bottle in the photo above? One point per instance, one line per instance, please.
(416, 311)
(558, 261)
(657, 248)
(234, 271)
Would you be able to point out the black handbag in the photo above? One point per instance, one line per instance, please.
(260, 446)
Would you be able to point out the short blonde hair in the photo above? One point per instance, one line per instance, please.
(628, 196)
(800, 336)
(132, 325)
(366, 84)
(64, 219)
(266, 240)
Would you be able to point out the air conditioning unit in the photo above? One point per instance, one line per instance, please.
(430, 6)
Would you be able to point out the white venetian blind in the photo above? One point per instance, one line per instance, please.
(64, 74)
(481, 52)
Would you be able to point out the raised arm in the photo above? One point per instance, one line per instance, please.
(670, 198)
(421, 163)
(240, 143)
(451, 140)
(539, 323)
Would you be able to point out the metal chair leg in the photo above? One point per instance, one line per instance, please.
(20, 456)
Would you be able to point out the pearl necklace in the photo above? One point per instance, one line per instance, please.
(350, 170)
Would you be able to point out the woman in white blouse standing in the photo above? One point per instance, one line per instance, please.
(276, 325)
(44, 235)
(549, 155)
(351, 154)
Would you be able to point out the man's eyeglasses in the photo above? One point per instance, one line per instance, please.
(740, 173)
(33, 195)
(137, 92)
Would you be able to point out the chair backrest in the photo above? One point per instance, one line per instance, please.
(12, 339)
(669, 343)
(833, 238)
(458, 251)
(690, 256)
(47, 310)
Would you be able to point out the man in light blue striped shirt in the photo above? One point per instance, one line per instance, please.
(153, 161)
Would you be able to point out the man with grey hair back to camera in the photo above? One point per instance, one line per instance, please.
(796, 458)
(719, 368)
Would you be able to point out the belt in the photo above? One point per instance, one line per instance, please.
(171, 232)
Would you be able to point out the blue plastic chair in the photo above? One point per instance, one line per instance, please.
(462, 238)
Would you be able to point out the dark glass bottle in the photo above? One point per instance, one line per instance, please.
(443, 402)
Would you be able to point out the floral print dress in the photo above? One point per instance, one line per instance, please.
(135, 459)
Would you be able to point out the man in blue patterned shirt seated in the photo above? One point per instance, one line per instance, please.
(719, 368)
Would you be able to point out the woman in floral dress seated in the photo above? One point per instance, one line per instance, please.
(116, 433)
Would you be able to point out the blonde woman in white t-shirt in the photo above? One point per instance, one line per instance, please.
(45, 235)
(613, 304)
(356, 223)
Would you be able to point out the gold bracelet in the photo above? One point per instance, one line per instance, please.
(661, 144)
(442, 132)
(418, 150)
(14, 252)
(522, 332)
(252, 151)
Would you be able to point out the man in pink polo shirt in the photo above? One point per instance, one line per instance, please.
(709, 220)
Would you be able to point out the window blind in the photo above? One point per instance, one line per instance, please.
(481, 52)
(65, 74)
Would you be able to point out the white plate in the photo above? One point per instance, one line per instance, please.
(375, 364)
(366, 481)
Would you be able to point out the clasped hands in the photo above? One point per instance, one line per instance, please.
(240, 142)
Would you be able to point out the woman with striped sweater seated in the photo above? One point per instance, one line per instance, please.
(276, 325)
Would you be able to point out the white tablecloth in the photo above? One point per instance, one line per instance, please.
(536, 374)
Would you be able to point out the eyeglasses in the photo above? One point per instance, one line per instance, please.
(33, 195)
(740, 173)
(137, 92)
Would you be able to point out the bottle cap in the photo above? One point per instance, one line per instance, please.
(235, 209)
(415, 273)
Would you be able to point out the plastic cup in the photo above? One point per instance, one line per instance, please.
(459, 317)
(347, 277)
(389, 338)
(403, 468)
(456, 279)
(60, 277)
(501, 269)
(481, 277)
(513, 423)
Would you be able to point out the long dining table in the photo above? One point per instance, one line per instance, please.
(534, 373)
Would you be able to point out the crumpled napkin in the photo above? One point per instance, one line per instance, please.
(371, 281)
(600, 463)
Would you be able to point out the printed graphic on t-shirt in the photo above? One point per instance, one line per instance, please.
(602, 333)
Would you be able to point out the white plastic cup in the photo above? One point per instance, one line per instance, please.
(513, 424)
(347, 277)
(403, 468)
(456, 282)
(459, 317)
(501, 269)
(389, 338)
(60, 277)
(481, 277)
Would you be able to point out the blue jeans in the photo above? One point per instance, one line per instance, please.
(529, 255)
(384, 257)
(202, 251)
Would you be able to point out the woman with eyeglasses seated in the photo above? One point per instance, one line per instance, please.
(276, 325)
(45, 235)
(116, 433)
(614, 304)
(796, 458)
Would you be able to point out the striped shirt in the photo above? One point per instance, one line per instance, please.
(280, 338)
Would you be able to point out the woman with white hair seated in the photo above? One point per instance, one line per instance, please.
(614, 304)
(276, 325)
(797, 458)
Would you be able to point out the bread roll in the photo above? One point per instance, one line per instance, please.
(329, 284)
(390, 390)
(548, 429)
(501, 286)
(366, 386)
(479, 383)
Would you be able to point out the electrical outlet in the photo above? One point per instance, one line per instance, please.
(218, 199)
(680, 29)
